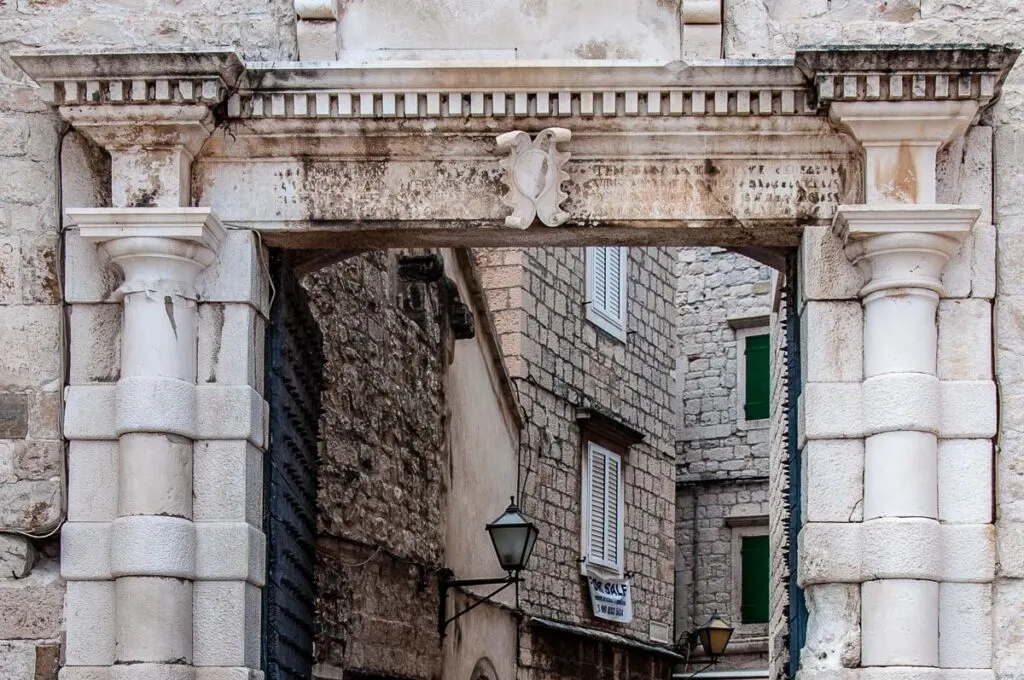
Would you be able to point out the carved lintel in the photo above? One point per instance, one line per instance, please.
(534, 174)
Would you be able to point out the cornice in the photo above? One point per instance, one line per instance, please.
(519, 89)
(118, 78)
(906, 72)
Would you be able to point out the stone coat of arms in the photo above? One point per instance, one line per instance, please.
(534, 174)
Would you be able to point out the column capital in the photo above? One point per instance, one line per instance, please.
(903, 246)
(158, 249)
(904, 103)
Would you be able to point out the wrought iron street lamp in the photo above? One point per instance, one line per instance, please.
(513, 536)
(713, 636)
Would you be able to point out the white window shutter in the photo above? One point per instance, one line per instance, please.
(612, 511)
(606, 288)
(604, 507)
(598, 497)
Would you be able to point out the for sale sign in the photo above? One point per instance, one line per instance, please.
(611, 599)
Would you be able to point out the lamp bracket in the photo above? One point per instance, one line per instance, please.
(446, 581)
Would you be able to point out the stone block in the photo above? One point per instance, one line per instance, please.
(17, 556)
(1010, 549)
(151, 671)
(88, 275)
(902, 548)
(231, 338)
(968, 409)
(240, 273)
(154, 621)
(14, 415)
(44, 414)
(231, 412)
(965, 481)
(1008, 628)
(900, 469)
(39, 282)
(318, 40)
(969, 553)
(230, 551)
(833, 482)
(92, 481)
(228, 482)
(227, 624)
(30, 336)
(829, 553)
(965, 340)
(1008, 154)
(702, 41)
(17, 660)
(833, 627)
(901, 401)
(37, 460)
(85, 673)
(34, 506)
(1009, 343)
(31, 608)
(89, 412)
(825, 272)
(965, 625)
(983, 263)
(155, 475)
(85, 551)
(1010, 256)
(155, 404)
(89, 621)
(227, 673)
(10, 269)
(95, 343)
(147, 545)
(831, 411)
(832, 347)
(900, 620)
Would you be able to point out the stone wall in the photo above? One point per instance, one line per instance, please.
(983, 281)
(561, 361)
(557, 655)
(722, 461)
(382, 473)
(33, 326)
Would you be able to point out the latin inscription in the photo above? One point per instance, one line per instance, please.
(686, 189)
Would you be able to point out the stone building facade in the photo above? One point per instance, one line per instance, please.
(398, 496)
(182, 166)
(571, 373)
(722, 484)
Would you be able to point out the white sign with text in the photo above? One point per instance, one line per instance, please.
(612, 599)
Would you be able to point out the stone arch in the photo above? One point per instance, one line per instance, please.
(484, 670)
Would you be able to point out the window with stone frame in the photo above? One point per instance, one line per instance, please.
(607, 269)
(751, 567)
(602, 507)
(605, 444)
(753, 375)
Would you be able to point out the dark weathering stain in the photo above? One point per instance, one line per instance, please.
(169, 308)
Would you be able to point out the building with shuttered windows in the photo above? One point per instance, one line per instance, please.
(724, 409)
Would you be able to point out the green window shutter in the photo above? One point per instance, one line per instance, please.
(758, 382)
(755, 556)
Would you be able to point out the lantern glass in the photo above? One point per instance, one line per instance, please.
(714, 636)
(513, 536)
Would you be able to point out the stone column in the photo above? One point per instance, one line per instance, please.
(902, 252)
(910, 568)
(163, 552)
(153, 538)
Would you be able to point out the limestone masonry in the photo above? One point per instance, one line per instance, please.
(823, 194)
